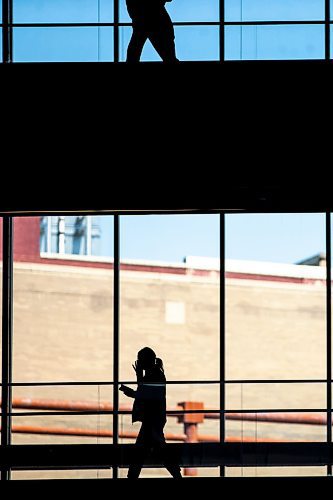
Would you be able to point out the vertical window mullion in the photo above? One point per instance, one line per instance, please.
(222, 30)
(7, 30)
(116, 267)
(10, 34)
(222, 333)
(7, 336)
(116, 30)
(327, 30)
(329, 334)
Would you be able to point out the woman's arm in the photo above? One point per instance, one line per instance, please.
(131, 393)
(139, 372)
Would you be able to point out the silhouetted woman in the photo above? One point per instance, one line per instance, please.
(151, 21)
(149, 408)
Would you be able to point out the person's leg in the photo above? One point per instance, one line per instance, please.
(135, 46)
(162, 37)
(161, 452)
(139, 454)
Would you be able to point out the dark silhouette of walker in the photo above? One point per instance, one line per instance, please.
(149, 408)
(151, 21)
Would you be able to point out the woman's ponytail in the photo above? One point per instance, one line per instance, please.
(159, 364)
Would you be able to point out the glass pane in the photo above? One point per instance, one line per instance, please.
(63, 44)
(34, 398)
(197, 10)
(193, 43)
(275, 471)
(203, 396)
(275, 42)
(275, 10)
(197, 43)
(175, 431)
(63, 11)
(275, 297)
(63, 314)
(182, 11)
(262, 427)
(274, 396)
(148, 53)
(169, 299)
(62, 429)
(181, 427)
(123, 14)
(162, 472)
(62, 474)
(170, 302)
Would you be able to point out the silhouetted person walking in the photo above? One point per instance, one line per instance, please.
(151, 21)
(149, 408)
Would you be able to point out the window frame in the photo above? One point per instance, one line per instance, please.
(7, 337)
(8, 27)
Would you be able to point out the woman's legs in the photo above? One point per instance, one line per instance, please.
(156, 25)
(151, 438)
(135, 46)
(160, 451)
(139, 455)
(162, 37)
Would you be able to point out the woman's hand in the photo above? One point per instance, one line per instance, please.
(137, 367)
(127, 391)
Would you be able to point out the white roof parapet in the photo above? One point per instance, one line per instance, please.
(258, 267)
(275, 269)
(213, 264)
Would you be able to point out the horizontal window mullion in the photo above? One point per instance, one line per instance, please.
(270, 23)
(169, 412)
(176, 23)
(173, 382)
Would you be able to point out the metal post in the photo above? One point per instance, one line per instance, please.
(222, 334)
(327, 30)
(61, 234)
(7, 31)
(116, 30)
(191, 421)
(191, 433)
(7, 336)
(116, 268)
(329, 334)
(49, 235)
(222, 31)
(88, 234)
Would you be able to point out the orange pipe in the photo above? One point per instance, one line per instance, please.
(71, 431)
(64, 404)
(73, 405)
(283, 418)
(59, 431)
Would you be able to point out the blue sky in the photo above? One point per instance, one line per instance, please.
(265, 237)
(96, 44)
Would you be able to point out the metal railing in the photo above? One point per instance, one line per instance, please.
(190, 414)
